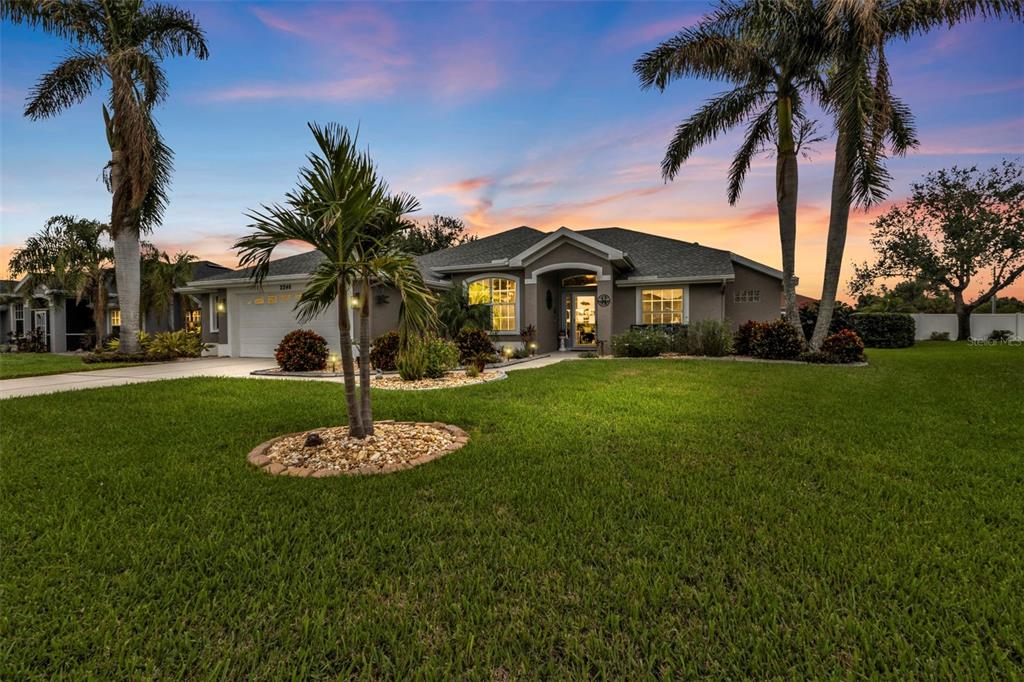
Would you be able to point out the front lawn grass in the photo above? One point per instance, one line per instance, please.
(16, 365)
(612, 519)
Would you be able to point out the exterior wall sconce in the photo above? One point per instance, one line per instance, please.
(354, 302)
(221, 307)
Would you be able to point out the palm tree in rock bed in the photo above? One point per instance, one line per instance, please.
(70, 255)
(772, 72)
(346, 212)
(161, 276)
(122, 42)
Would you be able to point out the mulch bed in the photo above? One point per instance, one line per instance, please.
(393, 382)
(393, 447)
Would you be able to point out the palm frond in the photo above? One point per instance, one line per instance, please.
(67, 84)
(715, 117)
(759, 132)
(322, 290)
(166, 30)
(275, 225)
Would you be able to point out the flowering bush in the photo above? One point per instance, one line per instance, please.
(776, 340)
(302, 350)
(384, 352)
(845, 346)
(641, 342)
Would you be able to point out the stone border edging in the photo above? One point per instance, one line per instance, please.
(258, 458)
(498, 376)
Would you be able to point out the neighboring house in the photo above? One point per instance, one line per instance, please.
(576, 287)
(68, 324)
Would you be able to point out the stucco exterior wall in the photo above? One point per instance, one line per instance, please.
(384, 315)
(547, 320)
(768, 308)
(221, 335)
(705, 302)
(568, 253)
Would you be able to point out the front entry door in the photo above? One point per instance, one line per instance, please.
(39, 320)
(584, 321)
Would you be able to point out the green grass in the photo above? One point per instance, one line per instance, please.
(17, 365)
(618, 519)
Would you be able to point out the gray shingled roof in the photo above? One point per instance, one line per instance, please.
(655, 256)
(496, 247)
(300, 264)
(652, 256)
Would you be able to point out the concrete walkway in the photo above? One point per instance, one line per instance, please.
(200, 367)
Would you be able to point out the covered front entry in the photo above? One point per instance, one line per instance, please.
(580, 320)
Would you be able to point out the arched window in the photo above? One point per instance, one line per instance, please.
(499, 293)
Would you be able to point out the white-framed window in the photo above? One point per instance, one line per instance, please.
(214, 304)
(499, 293)
(115, 320)
(19, 319)
(661, 306)
(747, 296)
(193, 320)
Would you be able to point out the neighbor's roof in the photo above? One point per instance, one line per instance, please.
(651, 256)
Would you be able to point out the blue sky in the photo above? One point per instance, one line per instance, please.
(501, 113)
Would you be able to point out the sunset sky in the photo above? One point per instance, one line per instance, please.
(503, 114)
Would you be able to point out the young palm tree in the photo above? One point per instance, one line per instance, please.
(70, 256)
(343, 210)
(869, 119)
(161, 275)
(765, 58)
(455, 312)
(123, 42)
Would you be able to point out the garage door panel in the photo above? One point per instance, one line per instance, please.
(264, 319)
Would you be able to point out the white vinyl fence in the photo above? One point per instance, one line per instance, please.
(981, 325)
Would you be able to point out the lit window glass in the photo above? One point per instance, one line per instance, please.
(661, 306)
(499, 294)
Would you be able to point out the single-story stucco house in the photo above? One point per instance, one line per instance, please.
(578, 288)
(68, 324)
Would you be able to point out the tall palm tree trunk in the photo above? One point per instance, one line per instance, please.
(127, 272)
(839, 219)
(364, 359)
(786, 192)
(355, 422)
(99, 314)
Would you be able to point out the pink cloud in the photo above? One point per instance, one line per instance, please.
(356, 88)
(632, 36)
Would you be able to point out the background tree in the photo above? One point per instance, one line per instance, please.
(440, 232)
(870, 121)
(766, 56)
(161, 275)
(958, 224)
(909, 296)
(345, 211)
(70, 255)
(122, 42)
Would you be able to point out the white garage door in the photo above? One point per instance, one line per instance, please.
(264, 318)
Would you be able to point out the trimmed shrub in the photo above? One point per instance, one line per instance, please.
(412, 360)
(939, 336)
(776, 340)
(113, 342)
(709, 337)
(884, 330)
(98, 358)
(176, 344)
(842, 318)
(302, 350)
(741, 341)
(678, 340)
(472, 372)
(520, 354)
(33, 341)
(481, 360)
(441, 356)
(1000, 335)
(472, 342)
(817, 357)
(384, 352)
(644, 342)
(845, 346)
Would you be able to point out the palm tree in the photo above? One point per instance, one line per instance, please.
(161, 276)
(767, 60)
(345, 211)
(455, 312)
(70, 256)
(868, 118)
(124, 42)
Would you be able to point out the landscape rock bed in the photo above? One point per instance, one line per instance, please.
(393, 447)
(393, 382)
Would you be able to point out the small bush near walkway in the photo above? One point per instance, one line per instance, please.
(710, 338)
(885, 330)
(642, 342)
(302, 350)
(384, 352)
(472, 343)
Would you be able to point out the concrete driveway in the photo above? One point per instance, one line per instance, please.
(199, 367)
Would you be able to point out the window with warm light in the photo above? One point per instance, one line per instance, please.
(115, 319)
(498, 293)
(661, 306)
(216, 306)
(747, 296)
(19, 319)
(193, 320)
